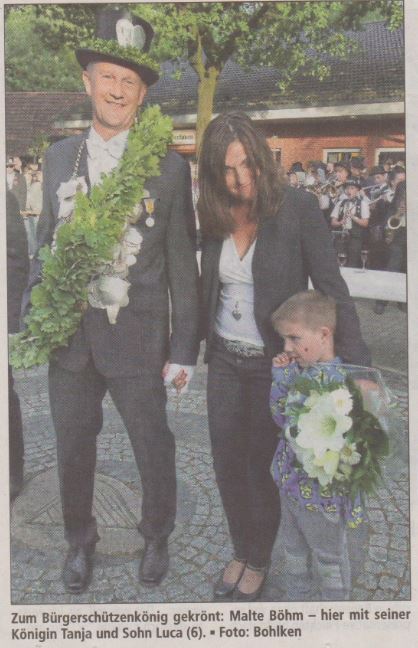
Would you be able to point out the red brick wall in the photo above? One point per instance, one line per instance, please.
(306, 141)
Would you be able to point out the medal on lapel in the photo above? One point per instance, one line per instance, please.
(149, 208)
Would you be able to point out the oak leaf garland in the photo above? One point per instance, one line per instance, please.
(88, 241)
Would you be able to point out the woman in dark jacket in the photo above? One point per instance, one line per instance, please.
(260, 244)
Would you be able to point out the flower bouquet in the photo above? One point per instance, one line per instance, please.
(337, 427)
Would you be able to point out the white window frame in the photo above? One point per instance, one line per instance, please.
(277, 153)
(356, 149)
(387, 149)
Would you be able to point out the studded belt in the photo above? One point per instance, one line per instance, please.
(239, 348)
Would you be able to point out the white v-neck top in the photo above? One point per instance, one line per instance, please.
(236, 295)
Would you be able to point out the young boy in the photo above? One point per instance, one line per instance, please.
(314, 519)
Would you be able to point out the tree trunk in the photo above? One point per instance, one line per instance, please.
(206, 95)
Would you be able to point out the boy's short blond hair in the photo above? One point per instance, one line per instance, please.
(310, 308)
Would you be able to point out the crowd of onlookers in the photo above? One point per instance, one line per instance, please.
(25, 182)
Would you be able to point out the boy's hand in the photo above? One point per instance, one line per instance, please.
(281, 360)
(366, 385)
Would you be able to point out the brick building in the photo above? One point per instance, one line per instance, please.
(357, 111)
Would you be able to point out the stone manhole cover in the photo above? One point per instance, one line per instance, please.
(37, 518)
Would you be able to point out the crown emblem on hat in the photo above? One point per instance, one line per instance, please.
(130, 35)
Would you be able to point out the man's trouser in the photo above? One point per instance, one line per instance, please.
(76, 407)
(16, 448)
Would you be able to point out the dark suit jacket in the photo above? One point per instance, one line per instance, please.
(17, 261)
(166, 264)
(290, 247)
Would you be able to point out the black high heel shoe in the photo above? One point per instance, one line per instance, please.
(245, 597)
(224, 590)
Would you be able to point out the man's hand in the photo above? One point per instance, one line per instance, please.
(281, 360)
(177, 376)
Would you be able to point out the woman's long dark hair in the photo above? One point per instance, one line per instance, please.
(214, 199)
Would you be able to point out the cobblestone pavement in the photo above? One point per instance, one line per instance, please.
(199, 546)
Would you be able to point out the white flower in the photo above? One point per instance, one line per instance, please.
(349, 454)
(312, 399)
(66, 195)
(323, 427)
(322, 468)
(343, 400)
(132, 240)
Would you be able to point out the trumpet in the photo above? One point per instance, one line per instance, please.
(386, 194)
(330, 188)
(373, 186)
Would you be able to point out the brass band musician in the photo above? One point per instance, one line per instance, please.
(351, 216)
(396, 238)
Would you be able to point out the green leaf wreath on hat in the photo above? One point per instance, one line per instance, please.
(87, 242)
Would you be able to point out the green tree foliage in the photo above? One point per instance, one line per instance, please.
(30, 65)
(39, 145)
(292, 36)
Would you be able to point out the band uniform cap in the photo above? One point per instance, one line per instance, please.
(357, 163)
(377, 170)
(122, 39)
(343, 165)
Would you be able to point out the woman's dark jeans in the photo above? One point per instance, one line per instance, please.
(244, 439)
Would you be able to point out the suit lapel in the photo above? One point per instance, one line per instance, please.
(210, 269)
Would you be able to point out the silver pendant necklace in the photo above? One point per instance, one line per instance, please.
(236, 313)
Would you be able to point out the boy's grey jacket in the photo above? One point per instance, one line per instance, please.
(166, 262)
(290, 247)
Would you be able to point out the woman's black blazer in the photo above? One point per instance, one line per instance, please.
(290, 247)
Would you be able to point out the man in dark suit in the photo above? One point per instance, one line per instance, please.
(17, 276)
(126, 358)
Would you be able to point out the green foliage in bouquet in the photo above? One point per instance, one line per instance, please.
(87, 241)
(372, 444)
(335, 440)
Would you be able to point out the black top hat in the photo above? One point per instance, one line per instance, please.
(352, 183)
(122, 39)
